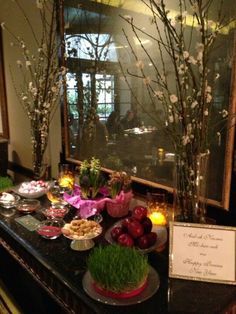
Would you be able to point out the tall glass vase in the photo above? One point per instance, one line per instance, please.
(190, 191)
(39, 144)
(37, 162)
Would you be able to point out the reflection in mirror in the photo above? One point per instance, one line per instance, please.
(4, 127)
(110, 115)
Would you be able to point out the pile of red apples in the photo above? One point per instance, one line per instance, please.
(135, 230)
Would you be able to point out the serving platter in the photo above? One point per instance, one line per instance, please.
(161, 232)
(153, 284)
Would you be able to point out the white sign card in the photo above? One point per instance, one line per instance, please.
(202, 252)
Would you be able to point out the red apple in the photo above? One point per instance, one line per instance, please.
(125, 240)
(135, 229)
(147, 225)
(152, 237)
(143, 242)
(126, 222)
(139, 212)
(116, 232)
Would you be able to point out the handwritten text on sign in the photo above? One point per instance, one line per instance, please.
(202, 252)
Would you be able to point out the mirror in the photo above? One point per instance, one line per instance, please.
(4, 127)
(107, 111)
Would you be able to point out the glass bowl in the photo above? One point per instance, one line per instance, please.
(50, 228)
(28, 205)
(55, 194)
(8, 200)
(32, 189)
(57, 210)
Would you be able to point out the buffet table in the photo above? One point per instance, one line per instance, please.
(59, 270)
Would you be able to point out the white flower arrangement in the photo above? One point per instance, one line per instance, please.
(42, 77)
(180, 81)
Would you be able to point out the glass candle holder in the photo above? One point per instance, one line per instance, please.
(157, 209)
(66, 178)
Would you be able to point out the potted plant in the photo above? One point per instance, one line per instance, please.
(88, 196)
(119, 185)
(90, 178)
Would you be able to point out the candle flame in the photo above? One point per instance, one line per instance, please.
(158, 218)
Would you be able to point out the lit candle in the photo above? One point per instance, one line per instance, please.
(157, 218)
(66, 181)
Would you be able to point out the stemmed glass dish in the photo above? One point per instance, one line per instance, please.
(81, 232)
(55, 211)
(55, 195)
(50, 228)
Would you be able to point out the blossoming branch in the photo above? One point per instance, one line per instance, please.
(42, 78)
(177, 74)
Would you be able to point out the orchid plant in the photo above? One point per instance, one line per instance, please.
(41, 76)
(181, 82)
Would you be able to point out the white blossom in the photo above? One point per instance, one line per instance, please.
(185, 140)
(19, 63)
(194, 104)
(159, 94)
(147, 80)
(173, 99)
(208, 98)
(199, 56)
(27, 63)
(224, 113)
(208, 89)
(199, 47)
(39, 4)
(186, 54)
(171, 119)
(139, 64)
(192, 60)
(129, 18)
(211, 23)
(173, 22)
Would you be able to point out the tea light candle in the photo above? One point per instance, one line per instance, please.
(157, 218)
(66, 181)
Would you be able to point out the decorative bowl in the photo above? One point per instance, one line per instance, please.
(8, 200)
(82, 232)
(28, 205)
(50, 228)
(32, 189)
(161, 240)
(57, 210)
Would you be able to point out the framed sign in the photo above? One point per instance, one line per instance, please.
(202, 252)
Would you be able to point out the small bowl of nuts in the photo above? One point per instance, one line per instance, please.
(82, 232)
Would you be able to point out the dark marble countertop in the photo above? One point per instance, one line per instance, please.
(68, 267)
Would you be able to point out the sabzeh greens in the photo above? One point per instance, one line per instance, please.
(117, 268)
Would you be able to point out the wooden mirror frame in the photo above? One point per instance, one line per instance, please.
(4, 132)
(228, 157)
